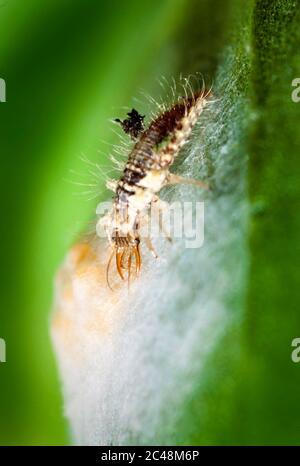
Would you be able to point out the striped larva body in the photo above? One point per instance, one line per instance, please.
(146, 172)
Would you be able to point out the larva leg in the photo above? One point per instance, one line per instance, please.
(150, 246)
(144, 225)
(161, 206)
(177, 179)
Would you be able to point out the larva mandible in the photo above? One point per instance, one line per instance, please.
(146, 172)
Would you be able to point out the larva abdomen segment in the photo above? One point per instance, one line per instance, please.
(182, 132)
(165, 136)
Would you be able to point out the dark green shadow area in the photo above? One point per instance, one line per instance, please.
(271, 381)
(248, 391)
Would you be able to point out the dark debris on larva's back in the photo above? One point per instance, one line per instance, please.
(133, 125)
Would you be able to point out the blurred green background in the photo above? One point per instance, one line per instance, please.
(69, 68)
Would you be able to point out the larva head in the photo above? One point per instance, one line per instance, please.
(126, 251)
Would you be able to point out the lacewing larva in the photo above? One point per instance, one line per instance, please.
(146, 172)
